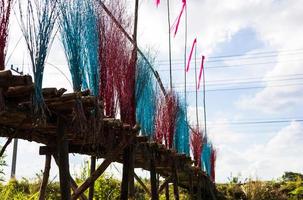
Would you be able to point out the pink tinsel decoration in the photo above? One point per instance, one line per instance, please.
(196, 144)
(166, 120)
(191, 54)
(157, 2)
(201, 71)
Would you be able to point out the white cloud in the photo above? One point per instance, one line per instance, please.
(266, 161)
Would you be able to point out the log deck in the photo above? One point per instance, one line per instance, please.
(17, 121)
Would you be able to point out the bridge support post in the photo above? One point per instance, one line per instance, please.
(175, 181)
(63, 160)
(44, 182)
(92, 170)
(127, 185)
(153, 178)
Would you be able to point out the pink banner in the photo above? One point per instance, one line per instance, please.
(191, 54)
(201, 71)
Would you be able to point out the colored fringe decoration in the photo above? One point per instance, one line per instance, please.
(114, 56)
(182, 130)
(196, 144)
(157, 2)
(145, 99)
(5, 9)
(201, 71)
(191, 54)
(71, 27)
(177, 22)
(91, 48)
(37, 30)
(206, 156)
(213, 159)
(166, 120)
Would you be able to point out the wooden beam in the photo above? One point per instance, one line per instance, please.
(111, 156)
(142, 184)
(44, 182)
(164, 184)
(92, 170)
(191, 186)
(72, 181)
(175, 182)
(167, 192)
(63, 160)
(9, 140)
(126, 173)
(153, 178)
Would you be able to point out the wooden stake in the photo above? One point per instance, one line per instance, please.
(63, 160)
(126, 179)
(167, 192)
(92, 170)
(44, 182)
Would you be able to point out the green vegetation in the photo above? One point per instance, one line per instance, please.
(289, 187)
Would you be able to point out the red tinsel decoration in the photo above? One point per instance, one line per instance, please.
(213, 159)
(196, 145)
(166, 120)
(5, 9)
(117, 66)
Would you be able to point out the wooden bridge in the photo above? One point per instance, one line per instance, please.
(74, 123)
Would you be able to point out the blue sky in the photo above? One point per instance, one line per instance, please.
(268, 36)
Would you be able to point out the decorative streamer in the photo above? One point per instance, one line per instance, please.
(182, 130)
(71, 28)
(91, 48)
(166, 120)
(196, 144)
(206, 155)
(157, 2)
(201, 71)
(213, 159)
(191, 54)
(114, 56)
(177, 22)
(37, 30)
(5, 9)
(145, 98)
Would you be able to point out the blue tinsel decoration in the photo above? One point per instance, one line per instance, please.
(206, 156)
(71, 27)
(182, 130)
(145, 98)
(91, 48)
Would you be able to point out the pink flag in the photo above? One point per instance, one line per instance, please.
(201, 71)
(191, 53)
(176, 24)
(157, 2)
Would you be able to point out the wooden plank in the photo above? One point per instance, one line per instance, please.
(63, 160)
(126, 173)
(92, 170)
(44, 182)
(175, 182)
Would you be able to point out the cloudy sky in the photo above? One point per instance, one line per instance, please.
(254, 78)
